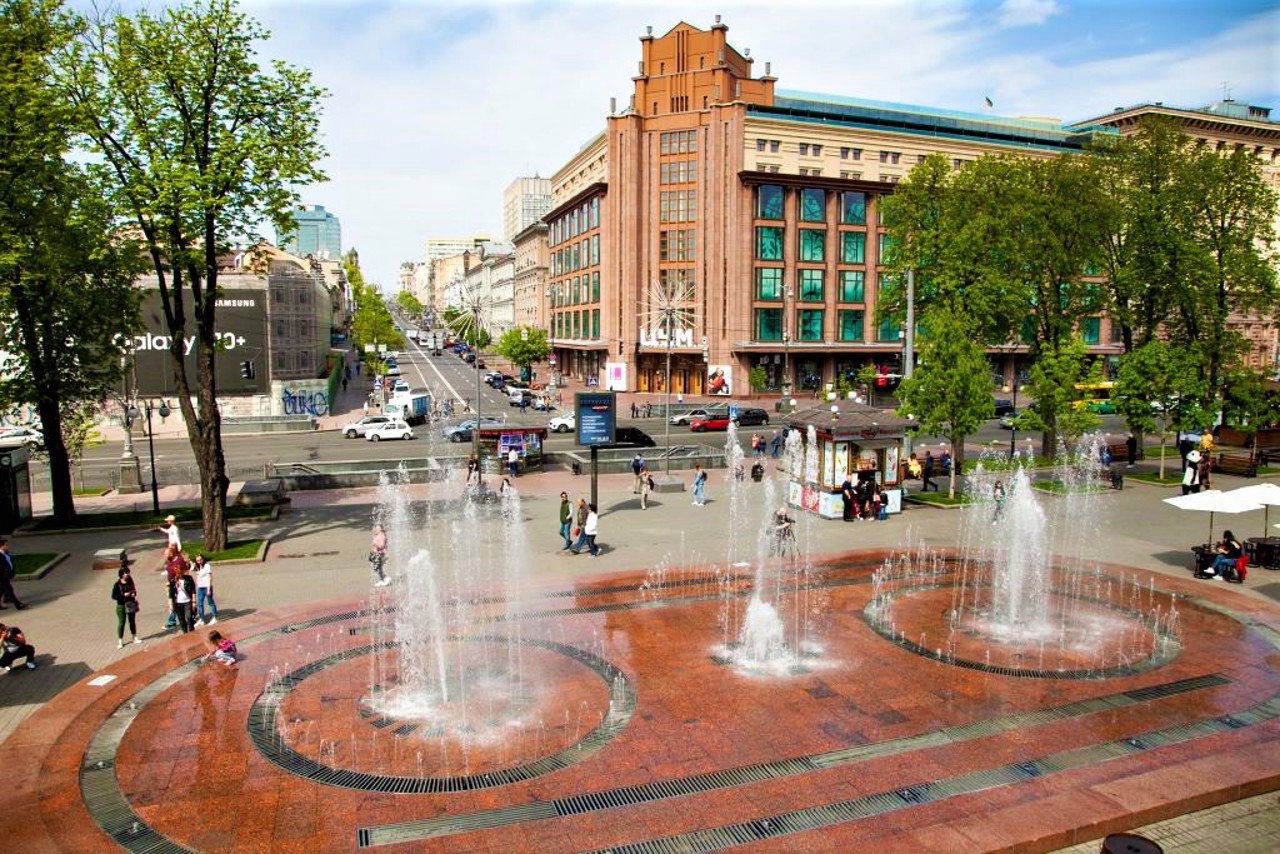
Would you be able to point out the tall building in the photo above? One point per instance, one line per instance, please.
(443, 247)
(525, 201)
(317, 233)
(750, 216)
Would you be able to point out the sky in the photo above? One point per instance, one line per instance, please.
(435, 107)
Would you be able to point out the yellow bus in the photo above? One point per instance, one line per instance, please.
(1096, 397)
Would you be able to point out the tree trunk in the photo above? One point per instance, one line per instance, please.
(207, 444)
(64, 504)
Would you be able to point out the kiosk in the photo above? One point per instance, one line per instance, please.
(850, 439)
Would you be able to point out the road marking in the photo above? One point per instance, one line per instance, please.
(453, 393)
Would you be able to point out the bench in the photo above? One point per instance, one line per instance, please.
(1243, 465)
(1268, 456)
(112, 558)
(262, 493)
(1120, 452)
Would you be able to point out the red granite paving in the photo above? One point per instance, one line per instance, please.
(188, 767)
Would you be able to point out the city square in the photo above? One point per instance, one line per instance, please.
(867, 444)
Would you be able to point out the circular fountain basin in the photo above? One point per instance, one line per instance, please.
(1078, 638)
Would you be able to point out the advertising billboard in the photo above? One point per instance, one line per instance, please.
(241, 329)
(597, 417)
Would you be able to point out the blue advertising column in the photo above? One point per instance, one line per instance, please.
(597, 419)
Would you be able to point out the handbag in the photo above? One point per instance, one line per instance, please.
(131, 606)
(577, 532)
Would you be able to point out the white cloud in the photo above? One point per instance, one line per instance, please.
(1027, 13)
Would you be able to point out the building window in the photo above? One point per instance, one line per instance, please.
(920, 158)
(852, 286)
(817, 150)
(768, 201)
(595, 212)
(844, 153)
(769, 243)
(888, 248)
(811, 286)
(768, 324)
(813, 244)
(853, 247)
(804, 149)
(760, 143)
(851, 321)
(595, 287)
(890, 156)
(595, 323)
(810, 325)
(769, 283)
(855, 154)
(813, 205)
(774, 145)
(853, 208)
(890, 330)
(1091, 329)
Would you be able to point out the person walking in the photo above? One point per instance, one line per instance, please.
(580, 526)
(928, 473)
(182, 593)
(125, 594)
(174, 562)
(378, 555)
(757, 445)
(204, 591)
(775, 444)
(846, 499)
(513, 462)
(566, 521)
(997, 498)
(637, 466)
(8, 572)
(1131, 450)
(171, 532)
(590, 529)
(699, 486)
(646, 487)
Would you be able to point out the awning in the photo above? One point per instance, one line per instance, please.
(870, 444)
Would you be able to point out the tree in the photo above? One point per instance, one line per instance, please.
(1059, 406)
(524, 346)
(65, 279)
(1159, 388)
(950, 392)
(201, 145)
(758, 378)
(408, 304)
(1250, 402)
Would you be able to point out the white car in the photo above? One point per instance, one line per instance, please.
(399, 386)
(688, 415)
(364, 425)
(28, 436)
(390, 430)
(566, 423)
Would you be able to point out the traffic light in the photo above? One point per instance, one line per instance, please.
(247, 370)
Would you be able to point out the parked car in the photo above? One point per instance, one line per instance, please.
(469, 357)
(395, 429)
(1003, 407)
(480, 364)
(714, 421)
(750, 416)
(461, 432)
(393, 370)
(687, 415)
(565, 423)
(632, 437)
(364, 425)
(437, 352)
(399, 386)
(28, 436)
(517, 396)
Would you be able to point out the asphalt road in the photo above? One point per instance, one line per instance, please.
(444, 375)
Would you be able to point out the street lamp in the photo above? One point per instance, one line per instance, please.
(1013, 421)
(131, 414)
(786, 344)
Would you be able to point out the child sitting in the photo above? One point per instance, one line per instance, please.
(221, 649)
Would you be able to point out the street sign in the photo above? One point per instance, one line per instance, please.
(382, 348)
(368, 348)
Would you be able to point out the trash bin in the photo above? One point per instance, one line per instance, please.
(1128, 843)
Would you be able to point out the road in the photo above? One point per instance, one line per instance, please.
(445, 375)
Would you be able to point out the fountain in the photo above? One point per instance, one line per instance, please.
(1025, 593)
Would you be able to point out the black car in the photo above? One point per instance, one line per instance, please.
(750, 417)
(1003, 408)
(632, 437)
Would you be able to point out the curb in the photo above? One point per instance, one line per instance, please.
(44, 570)
(190, 526)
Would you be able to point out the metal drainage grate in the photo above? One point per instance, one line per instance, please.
(264, 732)
(813, 818)
(627, 796)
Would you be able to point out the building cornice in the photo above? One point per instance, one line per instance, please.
(751, 177)
(599, 187)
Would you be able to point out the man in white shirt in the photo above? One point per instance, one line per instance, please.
(170, 530)
(513, 462)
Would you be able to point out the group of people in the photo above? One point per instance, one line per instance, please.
(643, 484)
(579, 526)
(188, 587)
(863, 500)
(926, 471)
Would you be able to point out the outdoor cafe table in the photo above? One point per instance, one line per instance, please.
(1264, 551)
(1205, 554)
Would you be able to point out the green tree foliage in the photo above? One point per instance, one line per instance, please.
(1251, 401)
(524, 346)
(950, 392)
(1059, 407)
(758, 378)
(1160, 388)
(66, 281)
(201, 145)
(372, 323)
(408, 304)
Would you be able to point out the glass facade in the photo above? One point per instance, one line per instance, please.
(813, 244)
(853, 247)
(853, 208)
(852, 286)
(768, 202)
(768, 324)
(851, 322)
(813, 205)
(810, 324)
(769, 243)
(769, 283)
(811, 289)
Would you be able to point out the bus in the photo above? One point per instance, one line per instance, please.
(1096, 397)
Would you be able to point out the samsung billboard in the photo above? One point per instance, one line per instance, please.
(240, 327)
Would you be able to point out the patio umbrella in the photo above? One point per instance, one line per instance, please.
(1214, 501)
(1266, 494)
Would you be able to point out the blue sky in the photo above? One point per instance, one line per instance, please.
(436, 106)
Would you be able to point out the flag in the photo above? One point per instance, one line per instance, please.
(990, 103)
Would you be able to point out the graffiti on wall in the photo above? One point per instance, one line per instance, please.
(301, 397)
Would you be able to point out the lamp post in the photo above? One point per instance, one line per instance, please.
(786, 345)
(1013, 429)
(131, 414)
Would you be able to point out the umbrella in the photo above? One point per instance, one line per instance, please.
(1214, 501)
(1266, 494)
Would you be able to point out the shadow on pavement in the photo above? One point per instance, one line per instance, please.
(22, 687)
